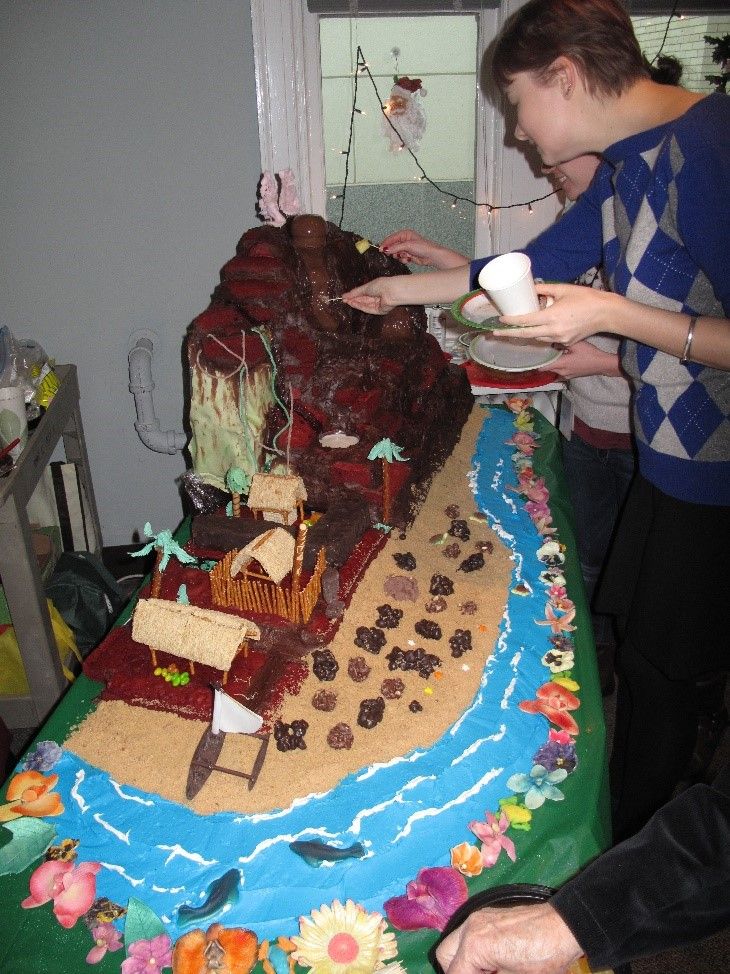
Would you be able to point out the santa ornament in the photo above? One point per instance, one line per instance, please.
(405, 119)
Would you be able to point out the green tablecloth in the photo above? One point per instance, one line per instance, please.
(563, 837)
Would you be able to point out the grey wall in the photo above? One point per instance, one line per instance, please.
(129, 160)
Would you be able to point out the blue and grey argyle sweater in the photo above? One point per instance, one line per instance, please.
(657, 216)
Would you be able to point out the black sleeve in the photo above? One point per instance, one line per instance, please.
(667, 886)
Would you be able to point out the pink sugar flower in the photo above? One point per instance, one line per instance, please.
(71, 887)
(525, 443)
(288, 200)
(538, 511)
(148, 956)
(268, 196)
(493, 838)
(431, 898)
(536, 491)
(560, 737)
(554, 702)
(106, 938)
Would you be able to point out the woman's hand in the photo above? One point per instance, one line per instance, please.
(584, 358)
(412, 248)
(510, 940)
(376, 297)
(574, 313)
(380, 296)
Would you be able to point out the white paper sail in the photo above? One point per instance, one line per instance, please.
(232, 717)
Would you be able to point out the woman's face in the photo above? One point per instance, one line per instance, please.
(547, 114)
(574, 177)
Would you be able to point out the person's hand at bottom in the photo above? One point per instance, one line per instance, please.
(510, 940)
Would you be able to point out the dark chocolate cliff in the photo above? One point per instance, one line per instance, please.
(272, 338)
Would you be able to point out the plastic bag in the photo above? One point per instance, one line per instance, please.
(8, 358)
(23, 362)
(13, 681)
(86, 595)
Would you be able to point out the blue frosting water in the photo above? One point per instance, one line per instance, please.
(166, 855)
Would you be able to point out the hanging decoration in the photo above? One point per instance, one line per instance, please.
(277, 197)
(362, 68)
(404, 121)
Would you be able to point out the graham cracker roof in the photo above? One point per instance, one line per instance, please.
(201, 635)
(273, 550)
(276, 492)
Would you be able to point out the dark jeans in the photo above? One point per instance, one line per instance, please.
(598, 481)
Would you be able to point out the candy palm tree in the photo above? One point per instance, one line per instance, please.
(238, 482)
(165, 547)
(387, 451)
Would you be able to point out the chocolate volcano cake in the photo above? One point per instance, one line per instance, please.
(285, 376)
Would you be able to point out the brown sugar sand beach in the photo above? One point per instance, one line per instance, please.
(458, 600)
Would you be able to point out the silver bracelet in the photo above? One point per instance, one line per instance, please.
(685, 357)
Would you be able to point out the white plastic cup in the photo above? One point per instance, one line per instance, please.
(13, 420)
(509, 283)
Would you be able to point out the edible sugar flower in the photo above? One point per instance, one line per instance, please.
(467, 859)
(525, 443)
(563, 643)
(30, 793)
(558, 623)
(341, 939)
(539, 514)
(493, 838)
(43, 756)
(523, 465)
(233, 949)
(559, 660)
(517, 404)
(552, 575)
(539, 785)
(431, 898)
(552, 554)
(106, 938)
(71, 887)
(554, 701)
(148, 956)
(524, 422)
(536, 491)
(557, 754)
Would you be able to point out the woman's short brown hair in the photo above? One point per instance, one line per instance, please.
(597, 35)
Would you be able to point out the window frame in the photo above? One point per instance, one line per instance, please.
(289, 100)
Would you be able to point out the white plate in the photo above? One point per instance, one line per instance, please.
(510, 354)
(476, 311)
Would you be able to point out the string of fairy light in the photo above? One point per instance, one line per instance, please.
(362, 68)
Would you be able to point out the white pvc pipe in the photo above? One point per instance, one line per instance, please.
(141, 386)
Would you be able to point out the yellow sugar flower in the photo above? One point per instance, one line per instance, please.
(345, 939)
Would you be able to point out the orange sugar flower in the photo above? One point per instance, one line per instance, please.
(467, 859)
(30, 793)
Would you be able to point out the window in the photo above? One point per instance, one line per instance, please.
(385, 186)
(685, 40)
